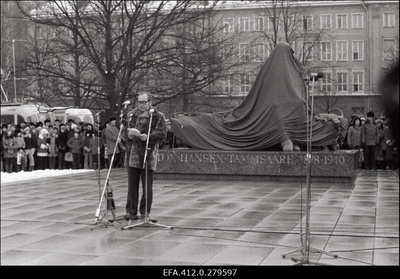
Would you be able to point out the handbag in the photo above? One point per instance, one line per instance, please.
(68, 157)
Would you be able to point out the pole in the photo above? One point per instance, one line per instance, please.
(15, 80)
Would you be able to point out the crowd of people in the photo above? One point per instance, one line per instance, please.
(374, 137)
(55, 145)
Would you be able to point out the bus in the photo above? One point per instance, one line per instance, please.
(15, 113)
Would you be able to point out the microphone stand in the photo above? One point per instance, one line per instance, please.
(305, 249)
(107, 190)
(98, 153)
(147, 220)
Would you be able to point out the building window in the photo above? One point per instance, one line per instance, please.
(358, 81)
(388, 19)
(272, 22)
(341, 21)
(244, 52)
(358, 50)
(326, 21)
(307, 51)
(228, 84)
(357, 21)
(227, 51)
(326, 82)
(244, 83)
(259, 52)
(244, 24)
(326, 51)
(307, 22)
(289, 22)
(258, 24)
(341, 50)
(342, 82)
(389, 49)
(228, 24)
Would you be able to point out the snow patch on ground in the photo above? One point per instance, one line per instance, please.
(27, 175)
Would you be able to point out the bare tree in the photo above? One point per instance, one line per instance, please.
(120, 38)
(292, 22)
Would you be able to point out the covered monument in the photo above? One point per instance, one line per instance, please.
(274, 112)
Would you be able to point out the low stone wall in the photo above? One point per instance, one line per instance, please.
(330, 166)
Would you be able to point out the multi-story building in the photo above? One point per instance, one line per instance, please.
(352, 42)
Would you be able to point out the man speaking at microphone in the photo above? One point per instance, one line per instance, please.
(139, 118)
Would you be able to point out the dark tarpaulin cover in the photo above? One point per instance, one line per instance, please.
(275, 110)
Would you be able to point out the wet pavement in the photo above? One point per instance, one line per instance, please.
(52, 222)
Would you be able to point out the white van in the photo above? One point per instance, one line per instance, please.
(76, 114)
(17, 113)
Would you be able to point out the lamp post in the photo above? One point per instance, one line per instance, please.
(15, 80)
(14, 64)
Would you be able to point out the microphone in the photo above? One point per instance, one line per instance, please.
(316, 76)
(126, 103)
(103, 110)
(151, 111)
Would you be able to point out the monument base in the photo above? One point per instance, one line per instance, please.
(332, 166)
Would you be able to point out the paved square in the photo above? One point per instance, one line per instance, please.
(51, 222)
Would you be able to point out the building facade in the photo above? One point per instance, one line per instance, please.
(353, 43)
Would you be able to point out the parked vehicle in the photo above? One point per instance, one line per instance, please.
(36, 112)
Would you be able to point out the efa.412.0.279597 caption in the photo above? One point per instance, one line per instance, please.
(200, 272)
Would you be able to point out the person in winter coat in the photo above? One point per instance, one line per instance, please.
(20, 144)
(381, 146)
(87, 150)
(75, 144)
(30, 144)
(10, 150)
(111, 136)
(43, 149)
(53, 147)
(369, 140)
(139, 118)
(391, 144)
(354, 134)
(62, 146)
(96, 144)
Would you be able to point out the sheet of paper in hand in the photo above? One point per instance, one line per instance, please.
(133, 132)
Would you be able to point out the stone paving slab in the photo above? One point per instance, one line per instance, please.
(239, 223)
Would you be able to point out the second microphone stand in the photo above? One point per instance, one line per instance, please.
(147, 221)
(305, 249)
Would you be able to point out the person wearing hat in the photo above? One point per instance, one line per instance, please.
(62, 146)
(10, 151)
(139, 119)
(43, 149)
(75, 144)
(20, 143)
(369, 140)
(30, 144)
